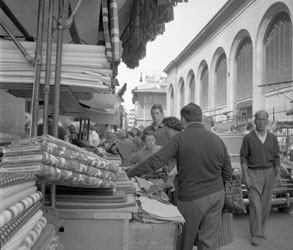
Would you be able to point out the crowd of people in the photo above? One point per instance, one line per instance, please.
(192, 163)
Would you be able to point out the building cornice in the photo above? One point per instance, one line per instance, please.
(223, 16)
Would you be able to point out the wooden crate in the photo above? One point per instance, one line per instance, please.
(88, 229)
(151, 236)
(94, 230)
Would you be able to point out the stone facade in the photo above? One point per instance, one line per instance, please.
(246, 45)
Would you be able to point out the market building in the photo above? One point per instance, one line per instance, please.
(240, 62)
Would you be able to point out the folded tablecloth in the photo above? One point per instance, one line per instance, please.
(15, 210)
(11, 200)
(9, 229)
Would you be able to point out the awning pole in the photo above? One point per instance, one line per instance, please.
(48, 67)
(16, 42)
(57, 84)
(13, 19)
(38, 64)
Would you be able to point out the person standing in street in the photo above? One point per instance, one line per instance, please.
(260, 162)
(159, 129)
(203, 166)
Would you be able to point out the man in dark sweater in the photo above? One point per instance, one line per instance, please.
(260, 162)
(203, 163)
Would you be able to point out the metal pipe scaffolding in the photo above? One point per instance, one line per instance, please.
(38, 64)
(13, 19)
(57, 84)
(16, 42)
(48, 67)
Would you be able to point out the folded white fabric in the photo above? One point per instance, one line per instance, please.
(160, 211)
(8, 191)
(11, 212)
(9, 201)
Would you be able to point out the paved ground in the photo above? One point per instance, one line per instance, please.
(279, 232)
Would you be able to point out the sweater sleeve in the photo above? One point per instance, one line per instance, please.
(156, 161)
(276, 153)
(227, 168)
(244, 151)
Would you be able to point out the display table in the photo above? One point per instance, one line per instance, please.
(101, 230)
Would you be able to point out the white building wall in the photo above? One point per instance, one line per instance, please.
(252, 20)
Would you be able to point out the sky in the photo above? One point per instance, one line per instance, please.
(189, 19)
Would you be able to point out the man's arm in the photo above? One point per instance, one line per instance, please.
(227, 168)
(244, 160)
(277, 163)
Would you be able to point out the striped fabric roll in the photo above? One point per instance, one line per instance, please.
(18, 237)
(105, 16)
(8, 179)
(33, 235)
(114, 30)
(9, 229)
(10, 190)
(15, 210)
(9, 201)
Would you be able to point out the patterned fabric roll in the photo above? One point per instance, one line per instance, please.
(10, 190)
(17, 238)
(9, 201)
(13, 211)
(15, 224)
(33, 235)
(8, 179)
(66, 150)
(29, 160)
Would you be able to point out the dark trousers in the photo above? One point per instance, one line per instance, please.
(260, 199)
(202, 218)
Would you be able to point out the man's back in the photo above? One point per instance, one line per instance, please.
(202, 158)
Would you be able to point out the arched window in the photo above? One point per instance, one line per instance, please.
(182, 94)
(244, 70)
(278, 51)
(204, 88)
(192, 89)
(172, 105)
(221, 81)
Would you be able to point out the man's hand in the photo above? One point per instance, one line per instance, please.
(278, 179)
(247, 181)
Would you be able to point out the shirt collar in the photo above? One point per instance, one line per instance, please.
(195, 124)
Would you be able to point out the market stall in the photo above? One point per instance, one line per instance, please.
(61, 59)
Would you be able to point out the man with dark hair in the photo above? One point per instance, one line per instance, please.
(203, 165)
(260, 162)
(157, 126)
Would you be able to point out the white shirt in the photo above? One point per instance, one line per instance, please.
(261, 137)
(94, 138)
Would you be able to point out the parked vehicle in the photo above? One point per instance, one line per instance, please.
(283, 193)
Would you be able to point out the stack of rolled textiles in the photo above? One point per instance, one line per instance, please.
(59, 162)
(82, 65)
(21, 217)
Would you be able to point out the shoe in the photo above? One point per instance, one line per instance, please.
(255, 241)
(263, 237)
